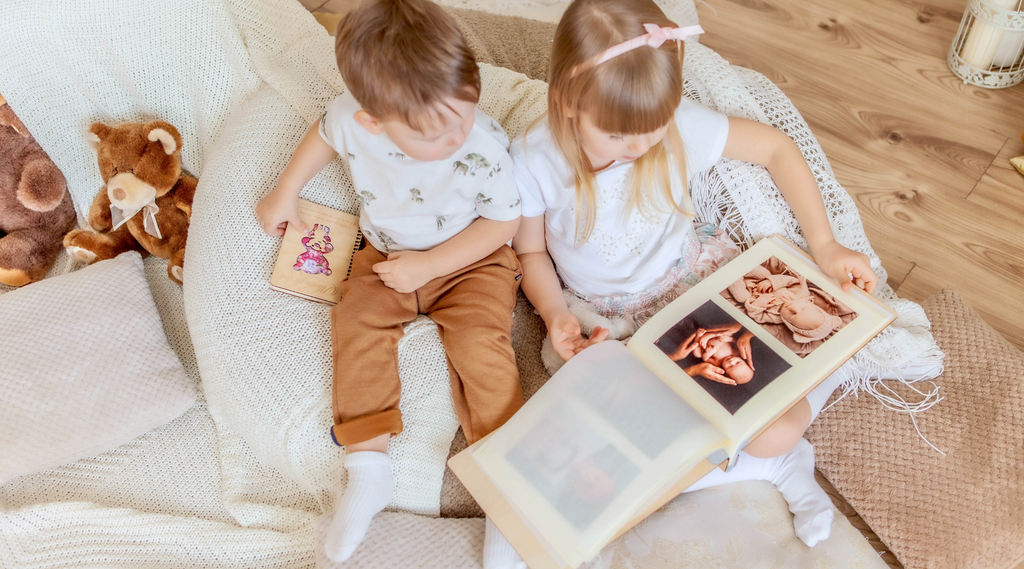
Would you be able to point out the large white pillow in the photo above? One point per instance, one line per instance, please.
(84, 367)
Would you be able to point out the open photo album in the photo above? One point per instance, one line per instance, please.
(618, 427)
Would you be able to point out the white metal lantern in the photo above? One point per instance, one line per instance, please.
(989, 47)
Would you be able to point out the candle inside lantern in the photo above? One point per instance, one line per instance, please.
(1009, 50)
(984, 40)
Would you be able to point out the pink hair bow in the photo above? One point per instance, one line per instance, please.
(655, 36)
(658, 35)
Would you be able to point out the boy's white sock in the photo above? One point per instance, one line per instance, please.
(498, 552)
(793, 474)
(369, 490)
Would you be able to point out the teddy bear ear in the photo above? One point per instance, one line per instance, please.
(166, 134)
(97, 132)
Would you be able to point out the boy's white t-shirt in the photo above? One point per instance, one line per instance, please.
(623, 255)
(408, 204)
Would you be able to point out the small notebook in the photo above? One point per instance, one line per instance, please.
(312, 265)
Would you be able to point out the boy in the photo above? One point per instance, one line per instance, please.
(438, 207)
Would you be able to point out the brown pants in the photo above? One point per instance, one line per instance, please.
(473, 311)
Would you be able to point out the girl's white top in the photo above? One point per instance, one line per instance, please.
(627, 252)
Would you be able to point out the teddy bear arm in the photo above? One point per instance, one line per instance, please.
(99, 212)
(7, 117)
(175, 266)
(88, 246)
(185, 193)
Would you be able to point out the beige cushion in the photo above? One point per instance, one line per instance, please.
(962, 510)
(519, 44)
(85, 367)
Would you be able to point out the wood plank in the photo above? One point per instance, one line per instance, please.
(882, 118)
(897, 267)
(993, 308)
(1002, 187)
(920, 285)
(859, 48)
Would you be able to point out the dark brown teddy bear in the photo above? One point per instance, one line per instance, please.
(35, 206)
(146, 203)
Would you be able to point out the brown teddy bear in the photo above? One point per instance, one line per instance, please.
(147, 201)
(35, 206)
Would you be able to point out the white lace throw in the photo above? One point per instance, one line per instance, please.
(741, 197)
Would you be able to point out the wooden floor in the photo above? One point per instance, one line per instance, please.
(925, 157)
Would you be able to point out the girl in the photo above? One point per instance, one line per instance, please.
(603, 181)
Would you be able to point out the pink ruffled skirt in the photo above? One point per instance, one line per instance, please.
(712, 249)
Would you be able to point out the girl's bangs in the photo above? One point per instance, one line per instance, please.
(626, 98)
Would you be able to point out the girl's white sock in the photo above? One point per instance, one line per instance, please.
(498, 552)
(820, 394)
(793, 474)
(811, 506)
(369, 490)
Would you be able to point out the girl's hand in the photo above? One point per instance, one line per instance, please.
(276, 210)
(841, 263)
(405, 271)
(566, 335)
(709, 371)
(764, 286)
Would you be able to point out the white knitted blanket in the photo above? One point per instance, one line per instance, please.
(242, 80)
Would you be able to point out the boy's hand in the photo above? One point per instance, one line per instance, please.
(276, 210)
(841, 263)
(405, 271)
(566, 336)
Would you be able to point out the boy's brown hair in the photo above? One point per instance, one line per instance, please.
(403, 58)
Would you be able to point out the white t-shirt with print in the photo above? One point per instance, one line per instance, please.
(623, 255)
(408, 204)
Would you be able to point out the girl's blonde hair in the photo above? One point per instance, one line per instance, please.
(634, 93)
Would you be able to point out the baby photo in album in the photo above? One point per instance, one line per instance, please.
(793, 309)
(723, 357)
(574, 468)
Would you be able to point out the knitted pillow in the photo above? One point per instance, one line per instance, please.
(935, 512)
(86, 367)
